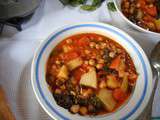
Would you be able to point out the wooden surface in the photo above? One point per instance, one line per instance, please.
(5, 112)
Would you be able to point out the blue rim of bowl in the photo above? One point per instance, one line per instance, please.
(105, 28)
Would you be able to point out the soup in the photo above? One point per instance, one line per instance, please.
(145, 13)
(90, 74)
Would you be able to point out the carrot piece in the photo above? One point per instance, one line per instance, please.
(119, 94)
(115, 63)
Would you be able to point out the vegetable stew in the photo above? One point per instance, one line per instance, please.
(90, 74)
(144, 13)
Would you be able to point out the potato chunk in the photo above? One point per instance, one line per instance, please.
(112, 82)
(89, 79)
(121, 68)
(124, 85)
(63, 73)
(72, 64)
(106, 97)
(66, 48)
(157, 23)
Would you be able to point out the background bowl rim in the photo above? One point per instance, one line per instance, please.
(141, 29)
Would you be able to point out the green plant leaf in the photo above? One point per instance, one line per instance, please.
(88, 7)
(111, 6)
(64, 2)
(96, 3)
(74, 3)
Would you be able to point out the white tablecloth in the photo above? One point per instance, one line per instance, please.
(17, 49)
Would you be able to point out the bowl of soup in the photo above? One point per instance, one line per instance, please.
(91, 71)
(143, 15)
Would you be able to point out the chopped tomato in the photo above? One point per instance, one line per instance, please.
(70, 55)
(151, 10)
(119, 94)
(115, 63)
(148, 18)
(85, 67)
(77, 73)
(84, 41)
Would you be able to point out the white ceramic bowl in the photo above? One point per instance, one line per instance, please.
(143, 88)
(133, 25)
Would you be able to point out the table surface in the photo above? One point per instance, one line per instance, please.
(17, 49)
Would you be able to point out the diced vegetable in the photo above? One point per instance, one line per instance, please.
(139, 14)
(157, 23)
(72, 64)
(119, 94)
(96, 102)
(64, 100)
(89, 79)
(115, 63)
(78, 73)
(70, 55)
(102, 84)
(63, 73)
(148, 18)
(106, 55)
(58, 91)
(86, 93)
(83, 110)
(112, 82)
(75, 108)
(106, 97)
(124, 85)
(67, 48)
(151, 25)
(121, 68)
(151, 10)
(142, 3)
(84, 41)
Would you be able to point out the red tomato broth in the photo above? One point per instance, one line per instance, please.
(70, 86)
